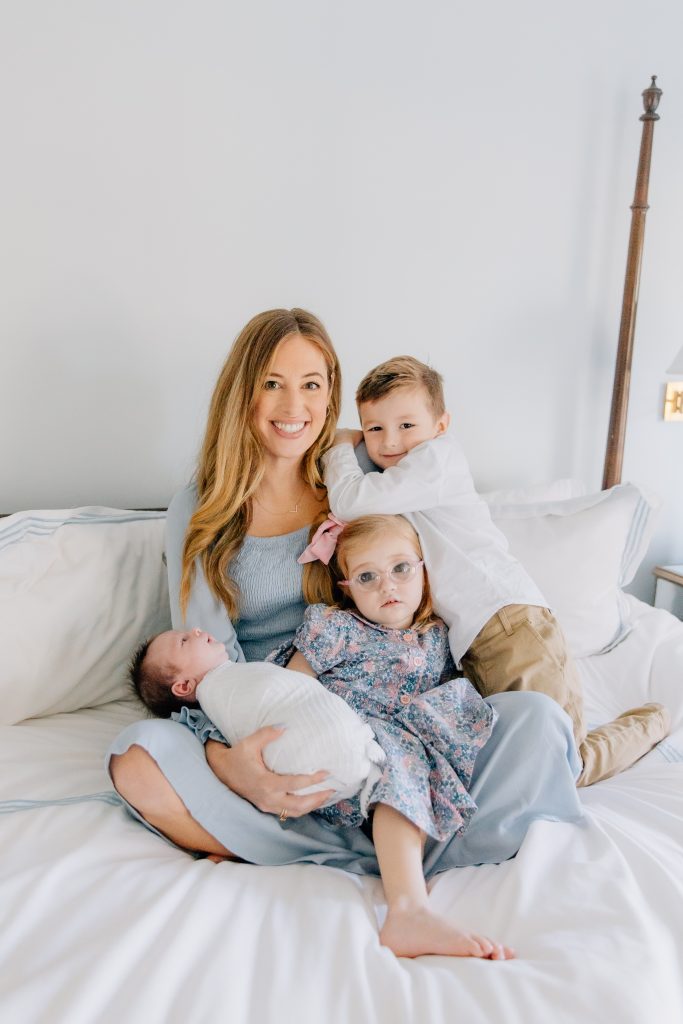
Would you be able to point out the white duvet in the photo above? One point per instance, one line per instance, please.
(101, 921)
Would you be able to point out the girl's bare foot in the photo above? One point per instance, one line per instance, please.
(417, 931)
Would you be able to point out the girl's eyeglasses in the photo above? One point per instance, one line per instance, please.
(369, 580)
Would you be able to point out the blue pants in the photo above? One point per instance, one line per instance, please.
(525, 772)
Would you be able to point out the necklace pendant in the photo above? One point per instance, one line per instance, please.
(284, 512)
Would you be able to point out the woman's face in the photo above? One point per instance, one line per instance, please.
(290, 409)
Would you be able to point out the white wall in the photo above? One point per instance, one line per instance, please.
(447, 179)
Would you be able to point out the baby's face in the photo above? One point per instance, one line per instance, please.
(395, 424)
(190, 653)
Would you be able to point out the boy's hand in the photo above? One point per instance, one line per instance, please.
(344, 436)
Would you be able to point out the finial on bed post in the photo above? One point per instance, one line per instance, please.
(614, 455)
(651, 97)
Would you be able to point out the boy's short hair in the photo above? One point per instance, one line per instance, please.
(402, 372)
(152, 683)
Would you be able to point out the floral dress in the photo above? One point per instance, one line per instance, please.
(430, 725)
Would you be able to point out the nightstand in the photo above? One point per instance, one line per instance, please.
(669, 588)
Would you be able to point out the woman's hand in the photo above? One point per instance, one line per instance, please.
(344, 436)
(243, 770)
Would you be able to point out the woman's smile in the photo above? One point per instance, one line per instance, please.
(286, 429)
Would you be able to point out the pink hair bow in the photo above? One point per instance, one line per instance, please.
(324, 541)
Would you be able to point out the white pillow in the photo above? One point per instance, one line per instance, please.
(581, 552)
(79, 589)
(555, 490)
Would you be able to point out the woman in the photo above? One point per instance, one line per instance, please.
(232, 545)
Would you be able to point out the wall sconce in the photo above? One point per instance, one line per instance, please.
(673, 399)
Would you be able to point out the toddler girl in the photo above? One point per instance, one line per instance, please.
(382, 650)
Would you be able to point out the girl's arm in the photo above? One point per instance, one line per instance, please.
(203, 609)
(299, 664)
(417, 483)
(322, 640)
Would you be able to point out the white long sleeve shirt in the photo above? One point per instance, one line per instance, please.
(472, 574)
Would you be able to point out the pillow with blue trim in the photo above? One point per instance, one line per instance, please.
(581, 552)
(79, 590)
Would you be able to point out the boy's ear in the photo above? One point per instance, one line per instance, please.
(443, 423)
(182, 687)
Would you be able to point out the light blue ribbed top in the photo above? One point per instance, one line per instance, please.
(268, 575)
(271, 602)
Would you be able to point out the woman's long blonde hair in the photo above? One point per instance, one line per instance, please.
(231, 462)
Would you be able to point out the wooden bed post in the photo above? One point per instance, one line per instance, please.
(614, 455)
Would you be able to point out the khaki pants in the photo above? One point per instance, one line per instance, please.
(523, 648)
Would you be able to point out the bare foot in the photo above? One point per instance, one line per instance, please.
(418, 931)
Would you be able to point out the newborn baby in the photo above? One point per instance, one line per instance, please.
(190, 668)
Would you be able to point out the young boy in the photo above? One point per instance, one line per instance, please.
(500, 630)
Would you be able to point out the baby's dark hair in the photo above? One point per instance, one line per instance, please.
(152, 683)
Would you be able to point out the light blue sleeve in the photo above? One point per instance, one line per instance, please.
(364, 460)
(204, 609)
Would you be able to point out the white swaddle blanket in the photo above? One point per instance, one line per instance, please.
(321, 730)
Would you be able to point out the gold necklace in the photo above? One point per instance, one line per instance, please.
(288, 511)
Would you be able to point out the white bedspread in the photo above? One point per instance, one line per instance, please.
(101, 921)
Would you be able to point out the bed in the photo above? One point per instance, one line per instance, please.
(103, 921)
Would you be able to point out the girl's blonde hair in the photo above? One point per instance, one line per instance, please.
(231, 462)
(360, 533)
